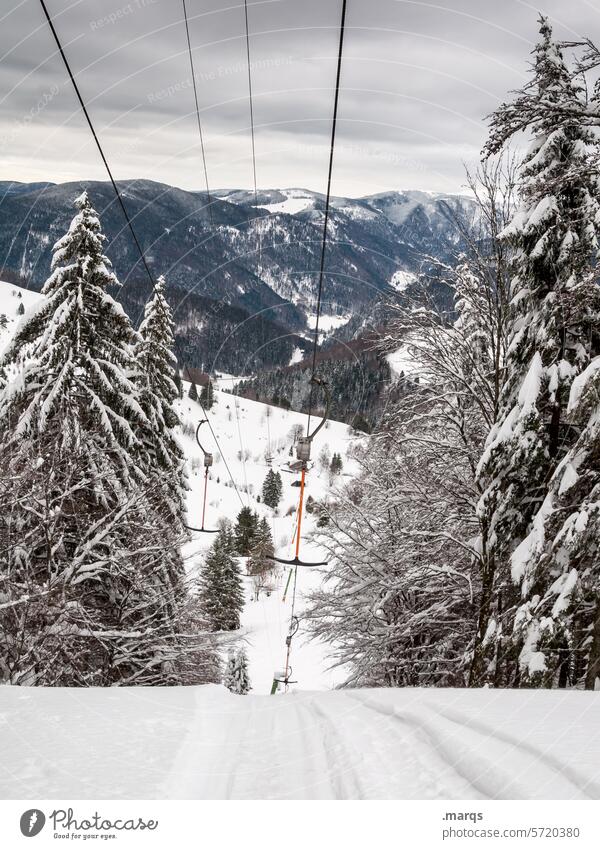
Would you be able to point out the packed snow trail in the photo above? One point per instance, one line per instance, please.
(205, 743)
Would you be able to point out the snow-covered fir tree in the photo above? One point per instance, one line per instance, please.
(237, 678)
(207, 395)
(245, 530)
(555, 304)
(260, 565)
(221, 589)
(86, 589)
(559, 616)
(336, 464)
(272, 489)
(156, 370)
(178, 383)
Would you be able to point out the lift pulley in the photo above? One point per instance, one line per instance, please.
(208, 461)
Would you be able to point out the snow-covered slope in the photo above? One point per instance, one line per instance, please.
(205, 743)
(248, 432)
(11, 297)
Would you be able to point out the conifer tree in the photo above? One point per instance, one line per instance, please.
(260, 564)
(157, 367)
(336, 464)
(272, 489)
(84, 570)
(193, 392)
(207, 395)
(73, 359)
(178, 383)
(236, 678)
(245, 531)
(221, 590)
(553, 334)
(278, 485)
(559, 616)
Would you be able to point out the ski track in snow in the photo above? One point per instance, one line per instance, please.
(205, 743)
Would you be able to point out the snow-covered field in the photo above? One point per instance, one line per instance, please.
(296, 201)
(327, 322)
(205, 743)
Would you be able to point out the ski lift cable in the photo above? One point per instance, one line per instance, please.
(207, 463)
(202, 147)
(97, 140)
(203, 150)
(199, 122)
(214, 436)
(327, 206)
(304, 443)
(121, 203)
(241, 442)
(251, 104)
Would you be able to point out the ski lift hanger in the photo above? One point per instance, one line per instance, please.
(208, 461)
(303, 449)
(284, 676)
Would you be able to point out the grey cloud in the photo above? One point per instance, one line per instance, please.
(418, 81)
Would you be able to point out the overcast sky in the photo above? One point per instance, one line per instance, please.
(418, 80)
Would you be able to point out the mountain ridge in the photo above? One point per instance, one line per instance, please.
(259, 256)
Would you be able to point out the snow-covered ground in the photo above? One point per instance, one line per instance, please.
(10, 299)
(297, 356)
(205, 743)
(403, 362)
(314, 742)
(248, 432)
(326, 322)
(400, 280)
(296, 201)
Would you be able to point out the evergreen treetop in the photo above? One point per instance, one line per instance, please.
(71, 359)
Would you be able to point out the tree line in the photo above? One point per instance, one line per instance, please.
(467, 550)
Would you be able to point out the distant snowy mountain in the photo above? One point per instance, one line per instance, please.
(258, 255)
